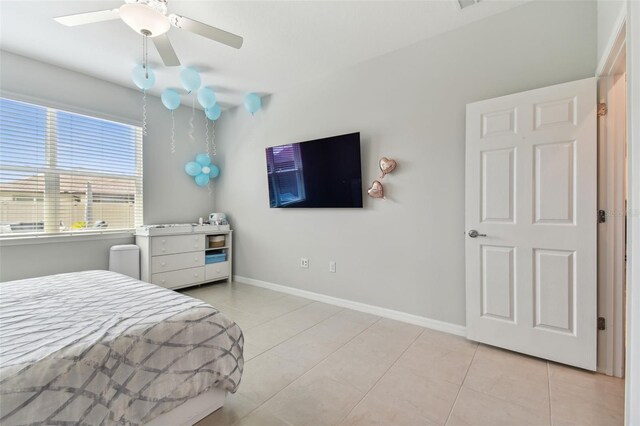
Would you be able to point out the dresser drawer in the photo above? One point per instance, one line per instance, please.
(173, 262)
(215, 271)
(179, 278)
(176, 244)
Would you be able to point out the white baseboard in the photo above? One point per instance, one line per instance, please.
(446, 327)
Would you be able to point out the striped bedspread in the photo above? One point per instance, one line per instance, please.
(97, 347)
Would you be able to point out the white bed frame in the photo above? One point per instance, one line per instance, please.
(193, 410)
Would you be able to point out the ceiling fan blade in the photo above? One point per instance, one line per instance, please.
(166, 51)
(88, 18)
(207, 31)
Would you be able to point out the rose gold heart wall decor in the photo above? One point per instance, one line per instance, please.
(376, 190)
(387, 166)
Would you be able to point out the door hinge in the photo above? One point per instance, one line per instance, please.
(602, 216)
(601, 323)
(602, 109)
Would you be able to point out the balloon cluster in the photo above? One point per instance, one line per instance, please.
(202, 170)
(387, 165)
(145, 79)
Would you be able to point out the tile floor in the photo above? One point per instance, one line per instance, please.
(308, 363)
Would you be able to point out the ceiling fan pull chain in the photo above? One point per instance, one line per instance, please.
(146, 57)
(144, 113)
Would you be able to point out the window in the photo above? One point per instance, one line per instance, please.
(66, 172)
(286, 177)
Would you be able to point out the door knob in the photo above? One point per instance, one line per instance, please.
(473, 234)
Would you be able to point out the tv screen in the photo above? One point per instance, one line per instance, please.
(319, 173)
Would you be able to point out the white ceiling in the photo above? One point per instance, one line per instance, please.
(285, 43)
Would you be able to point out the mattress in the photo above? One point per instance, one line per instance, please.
(98, 347)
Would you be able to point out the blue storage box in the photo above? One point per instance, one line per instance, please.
(215, 258)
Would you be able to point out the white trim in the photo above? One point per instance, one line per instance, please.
(614, 37)
(446, 327)
(65, 237)
(611, 234)
(611, 198)
(632, 370)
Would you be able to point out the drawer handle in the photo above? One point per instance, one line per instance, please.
(195, 246)
(163, 281)
(163, 264)
(164, 241)
(195, 260)
(196, 274)
(164, 249)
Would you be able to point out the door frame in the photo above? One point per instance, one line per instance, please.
(632, 369)
(611, 199)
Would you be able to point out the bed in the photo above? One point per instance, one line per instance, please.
(98, 347)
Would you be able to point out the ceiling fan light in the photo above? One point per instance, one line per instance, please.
(141, 18)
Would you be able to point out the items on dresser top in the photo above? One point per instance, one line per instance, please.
(177, 256)
(180, 228)
(218, 219)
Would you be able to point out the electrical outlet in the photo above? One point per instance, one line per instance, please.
(304, 263)
(332, 266)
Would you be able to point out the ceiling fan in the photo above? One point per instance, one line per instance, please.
(149, 18)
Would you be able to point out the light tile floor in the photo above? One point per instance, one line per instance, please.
(308, 363)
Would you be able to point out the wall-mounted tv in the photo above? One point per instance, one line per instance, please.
(319, 173)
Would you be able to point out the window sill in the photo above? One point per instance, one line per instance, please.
(64, 238)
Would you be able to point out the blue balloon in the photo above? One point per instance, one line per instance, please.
(144, 79)
(190, 79)
(213, 113)
(192, 168)
(203, 159)
(206, 97)
(170, 99)
(202, 180)
(214, 171)
(252, 103)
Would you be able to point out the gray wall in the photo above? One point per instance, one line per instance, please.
(170, 196)
(405, 253)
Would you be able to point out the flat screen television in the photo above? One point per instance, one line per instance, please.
(319, 173)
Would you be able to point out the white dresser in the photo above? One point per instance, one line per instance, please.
(174, 256)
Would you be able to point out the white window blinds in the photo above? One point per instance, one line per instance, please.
(66, 172)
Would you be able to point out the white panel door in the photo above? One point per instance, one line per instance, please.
(531, 217)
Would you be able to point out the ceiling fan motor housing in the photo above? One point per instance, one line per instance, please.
(158, 5)
(144, 18)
